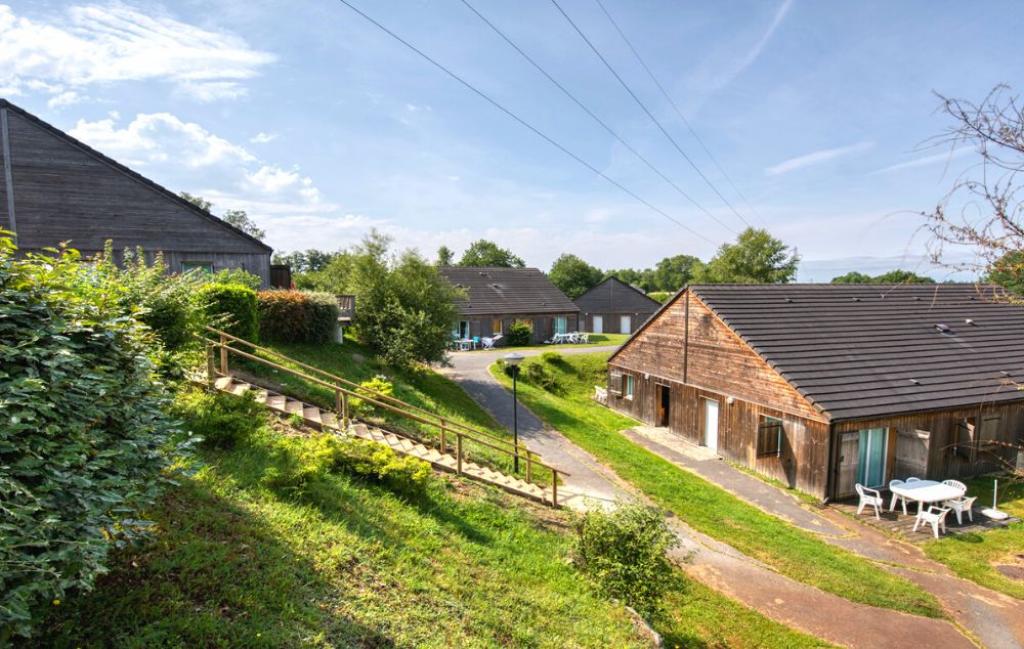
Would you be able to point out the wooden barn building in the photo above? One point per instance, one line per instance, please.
(822, 386)
(498, 296)
(614, 307)
(54, 188)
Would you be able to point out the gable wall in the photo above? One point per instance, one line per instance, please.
(63, 193)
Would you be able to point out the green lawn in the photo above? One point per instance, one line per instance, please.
(704, 506)
(972, 555)
(351, 564)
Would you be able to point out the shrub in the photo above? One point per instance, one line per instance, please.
(219, 420)
(371, 388)
(539, 375)
(84, 438)
(660, 296)
(624, 552)
(233, 276)
(231, 307)
(519, 334)
(297, 317)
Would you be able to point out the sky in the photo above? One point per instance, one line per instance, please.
(819, 118)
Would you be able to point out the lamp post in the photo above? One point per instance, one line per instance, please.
(513, 360)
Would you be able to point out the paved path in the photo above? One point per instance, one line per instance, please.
(995, 619)
(716, 564)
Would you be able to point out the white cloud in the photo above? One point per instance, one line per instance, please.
(263, 138)
(271, 180)
(946, 156)
(66, 98)
(156, 137)
(93, 44)
(816, 158)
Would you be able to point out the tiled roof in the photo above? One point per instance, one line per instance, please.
(860, 351)
(500, 291)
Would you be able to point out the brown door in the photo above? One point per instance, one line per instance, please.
(664, 396)
(849, 461)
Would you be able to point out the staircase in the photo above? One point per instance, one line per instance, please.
(329, 421)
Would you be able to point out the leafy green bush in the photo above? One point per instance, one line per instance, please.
(660, 296)
(625, 553)
(231, 307)
(84, 437)
(519, 334)
(370, 388)
(233, 276)
(301, 463)
(219, 420)
(297, 316)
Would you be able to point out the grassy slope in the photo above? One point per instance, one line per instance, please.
(971, 555)
(347, 564)
(707, 508)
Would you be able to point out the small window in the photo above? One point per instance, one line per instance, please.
(615, 383)
(561, 324)
(769, 436)
(204, 266)
(496, 327)
(627, 390)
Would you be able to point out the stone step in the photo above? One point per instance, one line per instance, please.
(276, 401)
(312, 413)
(238, 389)
(223, 382)
(293, 407)
(329, 419)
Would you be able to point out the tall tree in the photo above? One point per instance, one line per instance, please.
(756, 258)
(445, 256)
(574, 276)
(892, 277)
(853, 277)
(983, 213)
(672, 273)
(198, 201)
(487, 253)
(240, 219)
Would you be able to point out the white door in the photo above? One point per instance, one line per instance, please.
(625, 324)
(598, 324)
(711, 424)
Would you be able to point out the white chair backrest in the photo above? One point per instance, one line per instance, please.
(860, 489)
(913, 479)
(895, 483)
(956, 484)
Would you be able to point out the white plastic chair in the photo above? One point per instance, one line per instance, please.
(868, 497)
(913, 479)
(961, 505)
(584, 338)
(934, 516)
(956, 484)
(896, 497)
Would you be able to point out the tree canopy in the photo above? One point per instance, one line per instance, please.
(238, 218)
(445, 256)
(487, 253)
(756, 258)
(573, 276)
(892, 277)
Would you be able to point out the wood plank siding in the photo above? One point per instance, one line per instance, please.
(697, 354)
(619, 307)
(65, 191)
(689, 350)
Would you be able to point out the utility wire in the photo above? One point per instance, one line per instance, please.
(647, 111)
(672, 103)
(522, 121)
(597, 119)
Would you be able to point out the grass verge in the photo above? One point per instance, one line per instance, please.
(975, 556)
(709, 509)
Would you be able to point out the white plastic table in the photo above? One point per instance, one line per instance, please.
(926, 492)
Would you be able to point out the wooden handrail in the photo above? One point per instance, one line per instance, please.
(379, 395)
(225, 349)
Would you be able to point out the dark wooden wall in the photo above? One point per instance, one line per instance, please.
(612, 322)
(543, 324)
(63, 192)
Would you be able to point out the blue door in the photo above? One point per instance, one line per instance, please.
(871, 452)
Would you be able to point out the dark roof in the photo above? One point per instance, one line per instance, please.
(861, 351)
(160, 189)
(498, 291)
(615, 296)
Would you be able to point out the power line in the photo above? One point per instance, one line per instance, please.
(678, 112)
(593, 116)
(648, 112)
(521, 121)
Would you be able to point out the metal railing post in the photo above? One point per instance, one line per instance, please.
(444, 430)
(223, 355)
(554, 488)
(458, 453)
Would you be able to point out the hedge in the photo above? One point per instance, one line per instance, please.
(297, 316)
(83, 433)
(233, 308)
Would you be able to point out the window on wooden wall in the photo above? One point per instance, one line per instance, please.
(627, 386)
(204, 266)
(769, 436)
(496, 326)
(988, 433)
(963, 437)
(615, 383)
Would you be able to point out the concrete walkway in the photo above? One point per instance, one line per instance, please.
(711, 562)
(995, 619)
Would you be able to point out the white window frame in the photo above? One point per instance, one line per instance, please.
(629, 386)
(206, 266)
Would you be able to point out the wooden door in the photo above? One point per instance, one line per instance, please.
(598, 324)
(849, 445)
(664, 397)
(625, 324)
